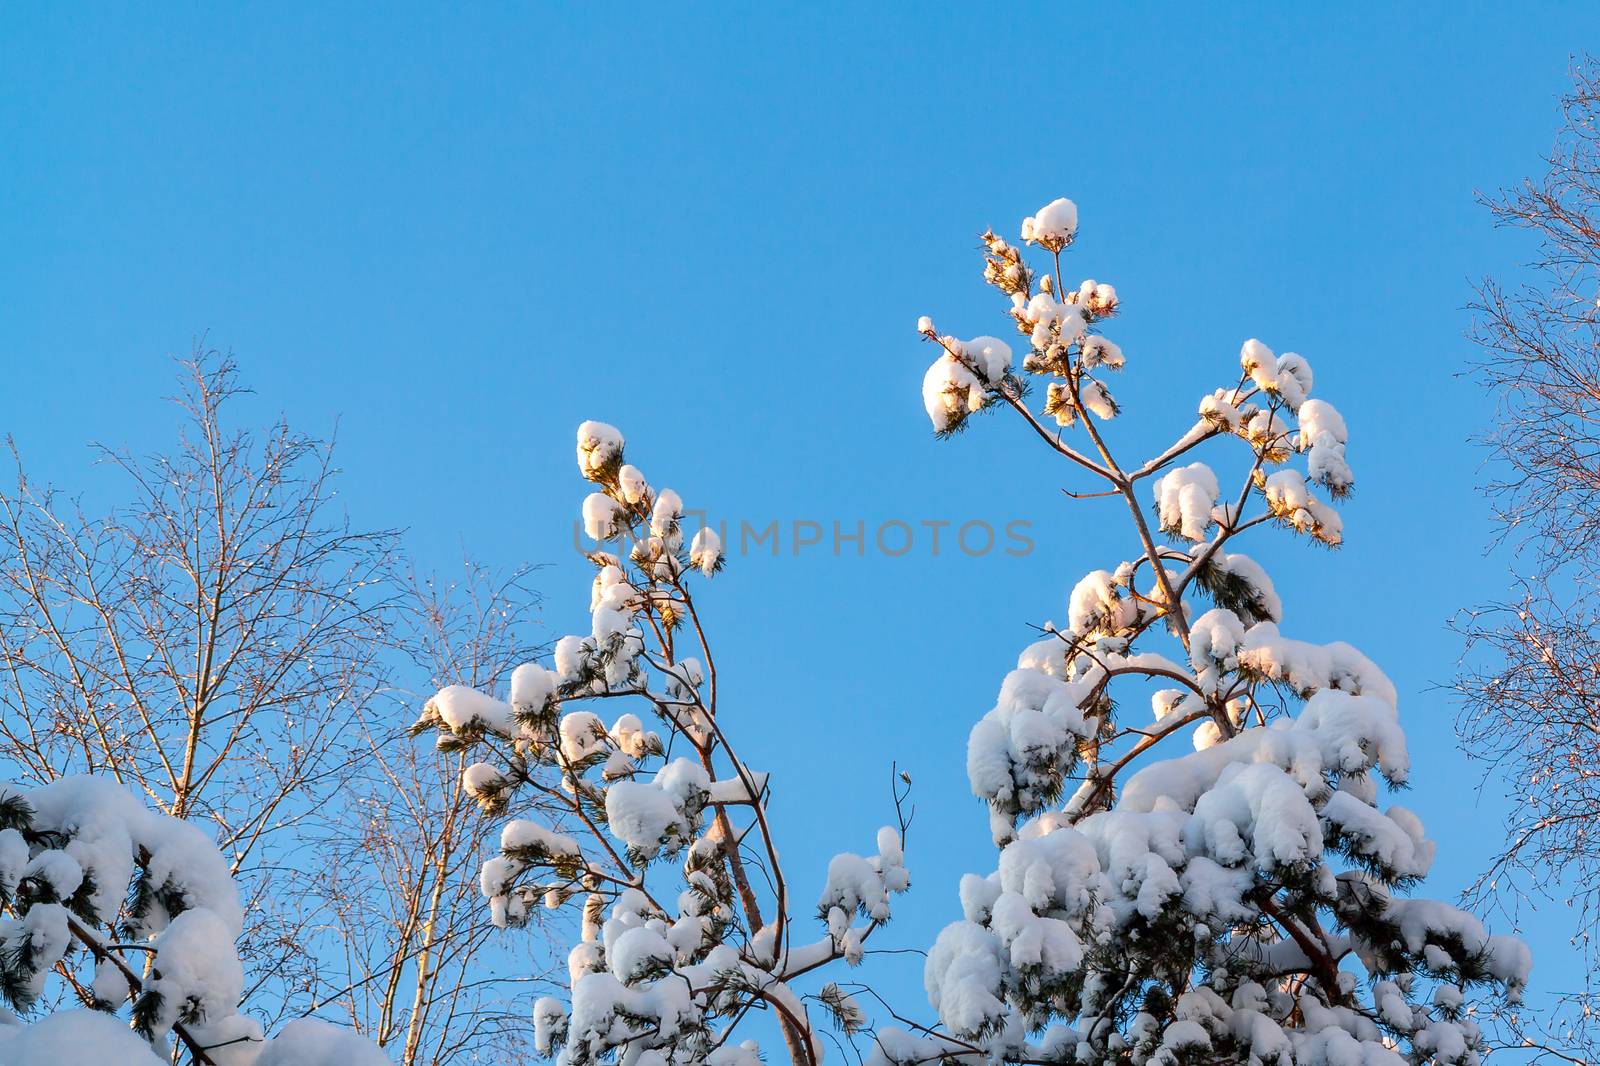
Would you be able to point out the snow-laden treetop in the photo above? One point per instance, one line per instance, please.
(670, 962)
(1221, 880)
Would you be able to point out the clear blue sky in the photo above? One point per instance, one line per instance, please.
(459, 232)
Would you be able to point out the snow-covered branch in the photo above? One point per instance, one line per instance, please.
(88, 874)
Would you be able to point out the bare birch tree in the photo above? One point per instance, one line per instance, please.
(424, 976)
(206, 643)
(224, 644)
(1530, 681)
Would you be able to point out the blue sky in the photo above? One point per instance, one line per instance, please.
(459, 233)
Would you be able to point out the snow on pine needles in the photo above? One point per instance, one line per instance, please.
(131, 908)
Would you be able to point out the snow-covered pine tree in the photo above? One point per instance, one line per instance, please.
(653, 827)
(130, 907)
(1245, 901)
